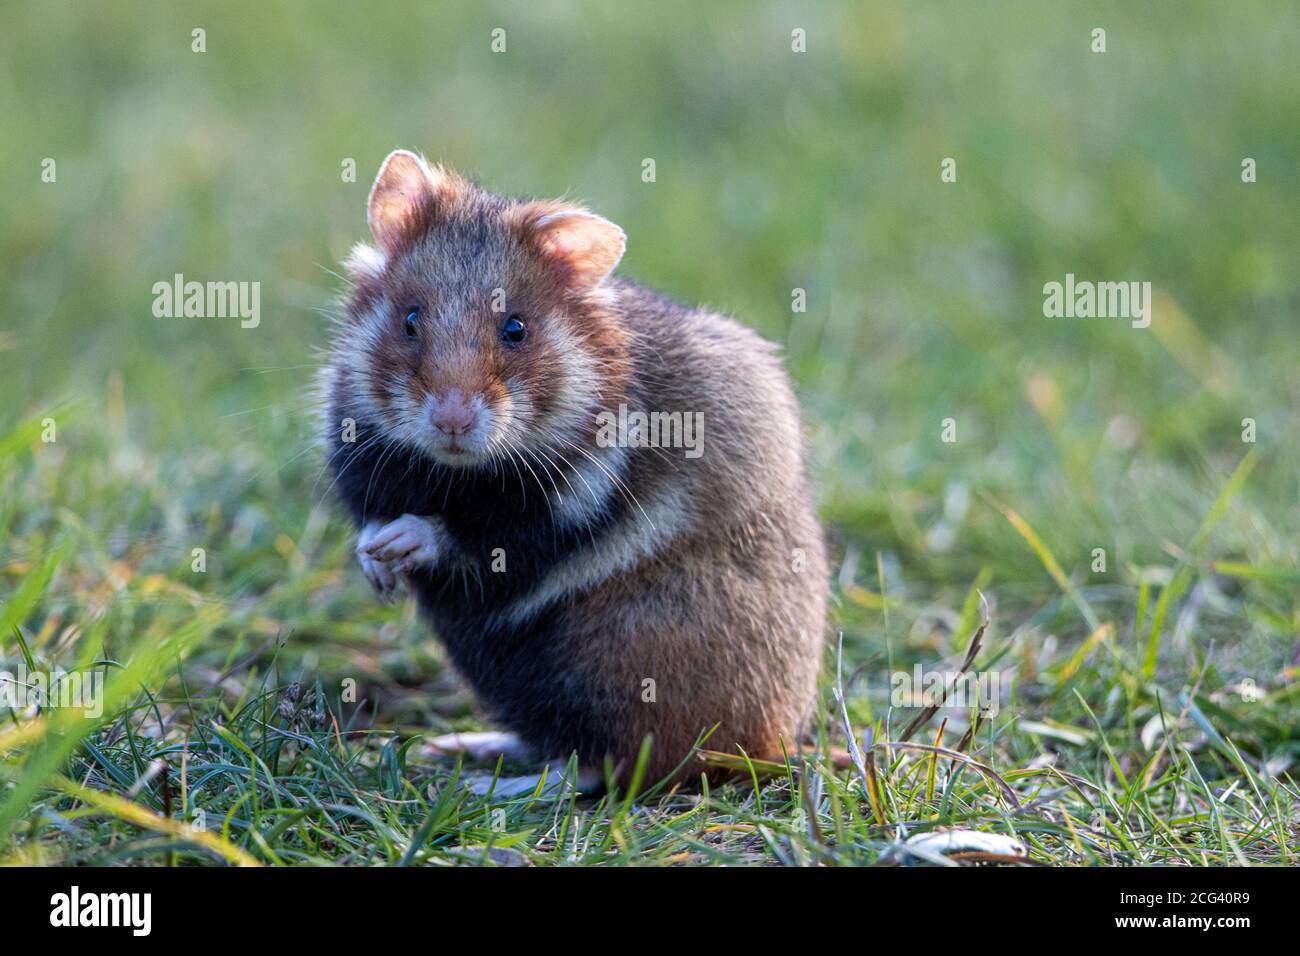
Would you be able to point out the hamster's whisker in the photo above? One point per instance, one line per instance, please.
(523, 486)
(379, 437)
(257, 476)
(292, 407)
(581, 477)
(329, 461)
(542, 488)
(560, 471)
(495, 454)
(262, 370)
(558, 497)
(410, 465)
(590, 491)
(337, 275)
(388, 453)
(627, 493)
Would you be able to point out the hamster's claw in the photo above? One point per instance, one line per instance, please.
(381, 574)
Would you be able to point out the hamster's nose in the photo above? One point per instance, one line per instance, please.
(453, 414)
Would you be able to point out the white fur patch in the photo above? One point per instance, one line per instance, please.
(481, 745)
(644, 532)
(362, 393)
(365, 262)
(589, 488)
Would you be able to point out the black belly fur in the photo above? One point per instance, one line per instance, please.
(525, 674)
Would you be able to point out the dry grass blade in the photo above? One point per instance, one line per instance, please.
(873, 787)
(838, 690)
(934, 762)
(964, 744)
(720, 758)
(972, 651)
(988, 771)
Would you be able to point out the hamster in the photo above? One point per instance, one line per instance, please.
(596, 495)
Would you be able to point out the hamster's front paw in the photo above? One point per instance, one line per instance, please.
(402, 545)
(381, 574)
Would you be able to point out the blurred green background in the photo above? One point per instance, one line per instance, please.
(775, 170)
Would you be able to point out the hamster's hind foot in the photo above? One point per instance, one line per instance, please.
(482, 746)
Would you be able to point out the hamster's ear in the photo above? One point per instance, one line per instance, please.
(406, 198)
(582, 245)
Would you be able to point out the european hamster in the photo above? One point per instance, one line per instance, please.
(596, 494)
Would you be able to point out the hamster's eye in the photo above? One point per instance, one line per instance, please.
(412, 323)
(513, 330)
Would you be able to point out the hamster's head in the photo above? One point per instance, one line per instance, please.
(480, 327)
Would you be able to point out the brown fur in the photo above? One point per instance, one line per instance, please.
(714, 584)
(722, 612)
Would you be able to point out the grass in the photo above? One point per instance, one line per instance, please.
(1148, 708)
